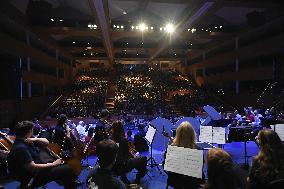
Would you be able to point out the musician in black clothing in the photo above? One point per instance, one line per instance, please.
(102, 176)
(126, 160)
(25, 161)
(62, 134)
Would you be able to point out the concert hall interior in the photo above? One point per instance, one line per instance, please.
(150, 94)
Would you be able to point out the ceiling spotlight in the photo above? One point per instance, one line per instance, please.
(161, 29)
(114, 26)
(127, 43)
(191, 44)
(169, 28)
(175, 54)
(84, 54)
(206, 30)
(88, 43)
(121, 27)
(210, 31)
(124, 12)
(193, 30)
(117, 27)
(136, 27)
(215, 27)
(92, 53)
(137, 54)
(202, 29)
(52, 19)
(61, 20)
(132, 27)
(73, 42)
(142, 27)
(221, 26)
(142, 43)
(152, 28)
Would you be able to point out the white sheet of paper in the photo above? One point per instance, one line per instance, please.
(184, 161)
(219, 135)
(206, 134)
(279, 129)
(150, 134)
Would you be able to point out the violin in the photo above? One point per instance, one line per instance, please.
(7, 140)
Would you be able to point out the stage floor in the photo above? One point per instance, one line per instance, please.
(155, 179)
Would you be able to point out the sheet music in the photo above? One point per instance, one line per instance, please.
(184, 161)
(150, 134)
(206, 134)
(279, 129)
(219, 135)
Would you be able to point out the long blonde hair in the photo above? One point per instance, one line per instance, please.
(185, 136)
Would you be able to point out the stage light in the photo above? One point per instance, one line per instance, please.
(169, 28)
(142, 27)
(52, 19)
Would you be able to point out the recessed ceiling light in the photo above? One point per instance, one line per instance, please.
(61, 20)
(88, 43)
(175, 54)
(52, 19)
(124, 12)
(142, 43)
(126, 43)
(73, 42)
(137, 54)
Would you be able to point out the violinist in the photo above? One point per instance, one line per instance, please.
(126, 161)
(24, 161)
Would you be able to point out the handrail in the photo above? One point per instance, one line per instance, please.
(50, 106)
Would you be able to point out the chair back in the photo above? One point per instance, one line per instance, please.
(276, 184)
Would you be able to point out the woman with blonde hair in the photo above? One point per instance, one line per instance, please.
(185, 137)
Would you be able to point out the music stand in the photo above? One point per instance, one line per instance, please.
(150, 135)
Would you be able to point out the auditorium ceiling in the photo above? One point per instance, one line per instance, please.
(145, 30)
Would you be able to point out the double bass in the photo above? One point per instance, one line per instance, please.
(76, 153)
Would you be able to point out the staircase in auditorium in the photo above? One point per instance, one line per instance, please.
(109, 103)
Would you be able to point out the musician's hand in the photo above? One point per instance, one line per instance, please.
(58, 162)
(29, 140)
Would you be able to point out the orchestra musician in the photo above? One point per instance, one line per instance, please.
(126, 161)
(24, 161)
(185, 137)
(62, 134)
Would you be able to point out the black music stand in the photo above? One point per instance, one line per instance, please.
(150, 139)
